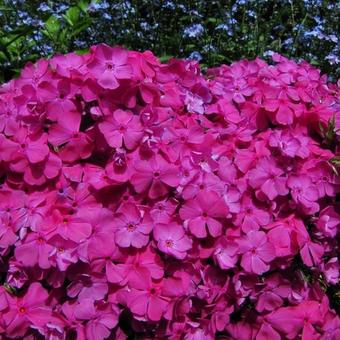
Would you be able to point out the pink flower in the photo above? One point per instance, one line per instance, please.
(132, 228)
(226, 253)
(155, 176)
(86, 286)
(181, 141)
(311, 252)
(162, 211)
(304, 193)
(143, 265)
(256, 252)
(291, 320)
(59, 98)
(331, 271)
(172, 240)
(267, 177)
(204, 212)
(7, 232)
(328, 222)
(290, 144)
(272, 295)
(281, 236)
(149, 300)
(34, 251)
(29, 310)
(251, 217)
(76, 145)
(69, 227)
(109, 65)
(122, 127)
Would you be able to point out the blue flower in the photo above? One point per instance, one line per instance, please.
(44, 7)
(193, 31)
(195, 56)
(333, 59)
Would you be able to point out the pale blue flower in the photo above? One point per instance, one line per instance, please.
(193, 31)
(195, 56)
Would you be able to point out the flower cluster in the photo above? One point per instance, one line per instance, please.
(150, 198)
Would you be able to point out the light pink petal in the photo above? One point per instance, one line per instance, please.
(107, 80)
(123, 72)
(141, 181)
(132, 138)
(138, 303)
(197, 227)
(119, 55)
(113, 136)
(35, 296)
(156, 308)
(258, 266)
(139, 240)
(124, 238)
(37, 152)
(85, 310)
(190, 210)
(215, 227)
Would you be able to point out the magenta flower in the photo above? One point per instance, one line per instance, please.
(311, 253)
(122, 127)
(226, 253)
(181, 141)
(142, 265)
(132, 228)
(69, 227)
(204, 212)
(29, 310)
(34, 251)
(304, 193)
(256, 252)
(285, 110)
(162, 211)
(291, 320)
(329, 221)
(76, 145)
(28, 150)
(290, 144)
(59, 98)
(149, 299)
(7, 232)
(172, 240)
(251, 217)
(274, 293)
(109, 65)
(154, 176)
(268, 177)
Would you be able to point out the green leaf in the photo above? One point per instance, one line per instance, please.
(82, 51)
(83, 5)
(9, 289)
(52, 25)
(336, 160)
(72, 15)
(165, 58)
(80, 27)
(212, 20)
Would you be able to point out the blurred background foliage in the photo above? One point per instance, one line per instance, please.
(212, 32)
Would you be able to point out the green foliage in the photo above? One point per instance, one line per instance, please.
(56, 33)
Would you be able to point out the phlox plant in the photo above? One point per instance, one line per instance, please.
(152, 200)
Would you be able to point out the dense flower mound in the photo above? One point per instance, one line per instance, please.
(152, 199)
